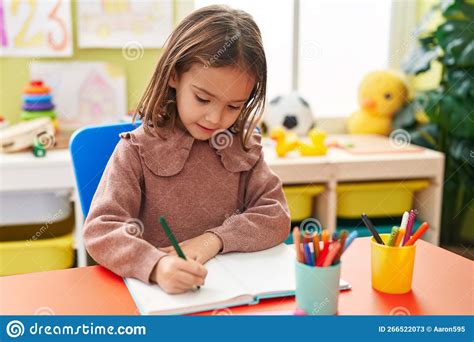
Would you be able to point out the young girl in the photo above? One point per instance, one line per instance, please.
(196, 160)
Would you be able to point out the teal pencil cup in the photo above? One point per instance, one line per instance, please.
(317, 288)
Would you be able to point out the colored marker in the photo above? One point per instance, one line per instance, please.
(393, 236)
(297, 242)
(404, 222)
(423, 228)
(325, 238)
(322, 256)
(350, 238)
(307, 255)
(370, 226)
(307, 238)
(332, 254)
(316, 247)
(411, 222)
(342, 240)
(173, 240)
(400, 235)
(324, 252)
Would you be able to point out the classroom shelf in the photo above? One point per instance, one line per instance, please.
(384, 182)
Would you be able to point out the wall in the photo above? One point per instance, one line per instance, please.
(14, 73)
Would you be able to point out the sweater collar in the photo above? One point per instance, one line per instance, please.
(166, 156)
(229, 147)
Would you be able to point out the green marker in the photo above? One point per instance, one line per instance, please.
(173, 240)
(393, 236)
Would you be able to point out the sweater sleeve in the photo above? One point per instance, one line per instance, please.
(266, 221)
(112, 231)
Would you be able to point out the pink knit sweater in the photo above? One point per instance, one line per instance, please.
(195, 185)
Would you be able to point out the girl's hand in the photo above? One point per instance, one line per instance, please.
(201, 248)
(175, 275)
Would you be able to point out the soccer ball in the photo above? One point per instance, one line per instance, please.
(291, 112)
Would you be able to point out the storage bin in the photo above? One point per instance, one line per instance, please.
(30, 207)
(377, 199)
(42, 230)
(300, 200)
(27, 256)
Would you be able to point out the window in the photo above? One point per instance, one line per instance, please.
(339, 42)
(276, 26)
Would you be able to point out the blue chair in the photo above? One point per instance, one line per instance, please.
(91, 148)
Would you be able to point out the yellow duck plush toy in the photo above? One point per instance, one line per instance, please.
(285, 141)
(381, 95)
(316, 147)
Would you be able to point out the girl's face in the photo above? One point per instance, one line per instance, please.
(210, 99)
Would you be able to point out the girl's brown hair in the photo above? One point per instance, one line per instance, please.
(215, 36)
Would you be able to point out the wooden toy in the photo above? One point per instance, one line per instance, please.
(37, 102)
(25, 134)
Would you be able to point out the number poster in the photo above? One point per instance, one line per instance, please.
(39, 28)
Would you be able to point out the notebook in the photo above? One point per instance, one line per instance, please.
(233, 279)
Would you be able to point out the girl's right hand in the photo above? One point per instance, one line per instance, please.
(175, 275)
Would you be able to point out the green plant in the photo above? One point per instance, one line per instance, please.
(449, 109)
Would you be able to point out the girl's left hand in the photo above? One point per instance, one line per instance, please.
(201, 248)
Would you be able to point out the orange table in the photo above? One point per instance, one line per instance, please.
(442, 285)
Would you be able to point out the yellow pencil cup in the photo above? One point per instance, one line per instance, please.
(392, 267)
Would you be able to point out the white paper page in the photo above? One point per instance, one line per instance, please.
(267, 271)
(219, 286)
